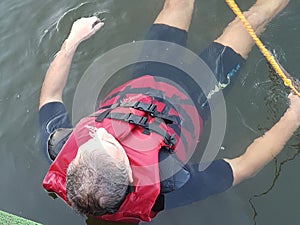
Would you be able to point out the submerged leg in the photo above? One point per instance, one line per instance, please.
(262, 12)
(176, 13)
(171, 25)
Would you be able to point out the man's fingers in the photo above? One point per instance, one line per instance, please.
(98, 26)
(96, 21)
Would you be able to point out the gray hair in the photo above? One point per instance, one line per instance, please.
(96, 183)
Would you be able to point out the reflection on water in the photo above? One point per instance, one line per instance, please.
(32, 31)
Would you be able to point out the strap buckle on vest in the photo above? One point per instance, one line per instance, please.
(170, 140)
(151, 110)
(148, 108)
(137, 120)
(126, 117)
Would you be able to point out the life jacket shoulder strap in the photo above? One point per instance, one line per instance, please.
(140, 121)
(150, 109)
(126, 117)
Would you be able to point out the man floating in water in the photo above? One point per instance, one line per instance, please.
(107, 166)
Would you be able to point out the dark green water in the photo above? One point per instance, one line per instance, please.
(32, 31)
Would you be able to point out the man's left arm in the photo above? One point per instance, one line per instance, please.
(267, 147)
(58, 71)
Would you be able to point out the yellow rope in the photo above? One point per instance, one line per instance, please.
(270, 58)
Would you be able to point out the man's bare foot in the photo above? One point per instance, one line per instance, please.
(271, 7)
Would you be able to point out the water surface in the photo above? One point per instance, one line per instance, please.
(32, 32)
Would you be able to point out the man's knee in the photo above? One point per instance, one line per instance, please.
(179, 4)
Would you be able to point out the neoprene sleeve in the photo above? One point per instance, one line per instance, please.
(217, 178)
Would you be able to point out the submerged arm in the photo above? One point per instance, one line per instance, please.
(58, 71)
(267, 147)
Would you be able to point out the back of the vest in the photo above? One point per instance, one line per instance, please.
(180, 122)
(174, 106)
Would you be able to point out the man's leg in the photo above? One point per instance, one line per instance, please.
(171, 25)
(176, 13)
(262, 12)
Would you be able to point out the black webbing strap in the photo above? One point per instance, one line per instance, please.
(102, 116)
(179, 108)
(126, 117)
(161, 97)
(151, 109)
(148, 108)
(139, 121)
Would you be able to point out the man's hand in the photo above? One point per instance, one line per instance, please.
(83, 29)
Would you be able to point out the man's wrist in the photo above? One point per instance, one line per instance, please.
(69, 46)
(292, 118)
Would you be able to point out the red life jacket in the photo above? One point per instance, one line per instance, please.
(143, 115)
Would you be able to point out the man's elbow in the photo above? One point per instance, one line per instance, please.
(241, 171)
(47, 99)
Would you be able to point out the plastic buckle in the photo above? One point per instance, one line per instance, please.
(137, 120)
(149, 108)
(170, 141)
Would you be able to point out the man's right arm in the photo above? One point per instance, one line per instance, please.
(52, 112)
(58, 71)
(267, 147)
